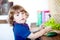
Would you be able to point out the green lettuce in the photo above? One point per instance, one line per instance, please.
(51, 22)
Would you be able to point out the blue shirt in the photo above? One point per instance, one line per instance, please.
(21, 31)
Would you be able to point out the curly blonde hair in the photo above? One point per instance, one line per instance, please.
(12, 11)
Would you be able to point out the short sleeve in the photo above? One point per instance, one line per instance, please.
(23, 32)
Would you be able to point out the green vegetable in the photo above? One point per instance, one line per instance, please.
(51, 34)
(51, 22)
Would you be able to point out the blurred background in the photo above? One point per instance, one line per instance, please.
(32, 6)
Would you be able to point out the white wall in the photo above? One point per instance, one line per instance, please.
(6, 32)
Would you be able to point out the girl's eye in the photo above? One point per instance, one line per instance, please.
(22, 13)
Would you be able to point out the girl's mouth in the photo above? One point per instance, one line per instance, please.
(22, 19)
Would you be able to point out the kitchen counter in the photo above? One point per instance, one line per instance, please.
(51, 38)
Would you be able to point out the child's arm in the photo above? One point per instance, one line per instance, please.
(35, 29)
(39, 33)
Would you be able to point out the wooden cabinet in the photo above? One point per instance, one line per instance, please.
(3, 21)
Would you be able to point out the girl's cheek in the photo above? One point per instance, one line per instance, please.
(18, 18)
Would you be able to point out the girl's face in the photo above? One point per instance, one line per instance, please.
(20, 17)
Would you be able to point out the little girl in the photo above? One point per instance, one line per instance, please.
(17, 18)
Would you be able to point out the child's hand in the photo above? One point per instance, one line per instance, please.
(48, 28)
(42, 26)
